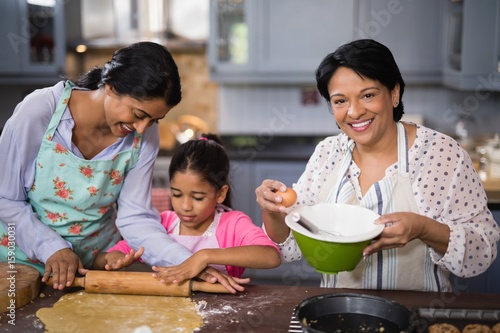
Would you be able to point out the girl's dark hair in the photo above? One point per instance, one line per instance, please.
(208, 158)
(368, 58)
(143, 70)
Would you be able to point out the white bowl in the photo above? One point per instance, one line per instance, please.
(353, 223)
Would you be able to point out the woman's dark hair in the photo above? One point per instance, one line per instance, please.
(143, 70)
(206, 157)
(368, 58)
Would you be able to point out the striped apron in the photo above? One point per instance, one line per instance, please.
(409, 267)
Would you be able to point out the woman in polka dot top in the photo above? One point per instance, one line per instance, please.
(420, 181)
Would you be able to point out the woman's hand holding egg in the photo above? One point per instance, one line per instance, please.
(274, 197)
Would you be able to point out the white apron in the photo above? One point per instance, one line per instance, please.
(406, 268)
(195, 243)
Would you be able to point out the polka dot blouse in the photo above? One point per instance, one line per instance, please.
(446, 188)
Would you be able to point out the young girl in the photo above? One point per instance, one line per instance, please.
(202, 220)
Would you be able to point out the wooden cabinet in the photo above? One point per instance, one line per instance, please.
(471, 54)
(410, 29)
(279, 41)
(32, 42)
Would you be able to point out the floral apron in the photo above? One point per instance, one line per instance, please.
(196, 243)
(409, 267)
(77, 197)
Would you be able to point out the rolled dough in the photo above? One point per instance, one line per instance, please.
(85, 312)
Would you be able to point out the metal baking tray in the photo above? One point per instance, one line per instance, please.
(424, 317)
(456, 317)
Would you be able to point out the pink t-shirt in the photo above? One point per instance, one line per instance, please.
(235, 229)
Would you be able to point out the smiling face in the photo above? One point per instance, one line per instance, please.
(194, 201)
(125, 114)
(363, 108)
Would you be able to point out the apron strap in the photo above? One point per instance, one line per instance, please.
(402, 149)
(62, 104)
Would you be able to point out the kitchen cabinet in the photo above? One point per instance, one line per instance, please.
(246, 176)
(262, 41)
(32, 41)
(472, 45)
(410, 29)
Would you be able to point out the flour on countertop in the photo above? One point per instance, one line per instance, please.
(227, 309)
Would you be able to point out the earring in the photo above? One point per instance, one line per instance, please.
(396, 104)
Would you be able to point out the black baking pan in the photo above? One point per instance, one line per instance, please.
(351, 312)
(456, 317)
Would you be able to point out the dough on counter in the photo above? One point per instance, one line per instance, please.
(496, 328)
(85, 312)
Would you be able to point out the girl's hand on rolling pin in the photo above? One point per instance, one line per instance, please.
(191, 268)
(116, 259)
(63, 266)
(188, 269)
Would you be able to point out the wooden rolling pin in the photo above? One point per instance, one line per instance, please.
(139, 283)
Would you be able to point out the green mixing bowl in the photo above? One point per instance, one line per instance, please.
(345, 231)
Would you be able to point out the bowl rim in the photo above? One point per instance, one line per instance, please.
(371, 234)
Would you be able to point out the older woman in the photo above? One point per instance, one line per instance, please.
(421, 182)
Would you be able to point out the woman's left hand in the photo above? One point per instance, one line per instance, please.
(403, 227)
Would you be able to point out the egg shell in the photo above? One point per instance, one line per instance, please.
(288, 197)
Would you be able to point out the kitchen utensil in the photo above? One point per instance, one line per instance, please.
(309, 226)
(139, 283)
(351, 312)
(334, 253)
(19, 285)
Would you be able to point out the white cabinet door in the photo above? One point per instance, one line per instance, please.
(411, 30)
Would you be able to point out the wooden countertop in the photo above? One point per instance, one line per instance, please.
(263, 308)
